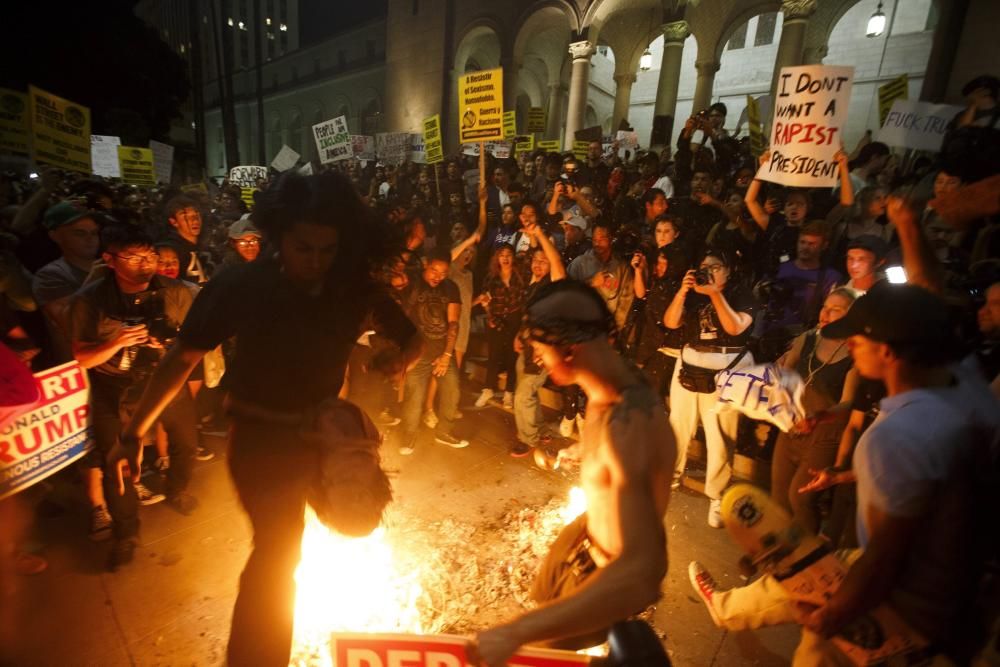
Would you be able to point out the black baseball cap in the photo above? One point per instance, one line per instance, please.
(871, 243)
(900, 314)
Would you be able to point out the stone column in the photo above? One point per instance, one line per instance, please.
(579, 82)
(510, 72)
(796, 15)
(703, 84)
(674, 35)
(623, 94)
(553, 117)
(813, 55)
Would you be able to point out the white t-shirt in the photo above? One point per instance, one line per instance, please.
(664, 183)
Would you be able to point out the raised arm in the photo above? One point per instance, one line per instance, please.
(757, 211)
(921, 264)
(673, 317)
(481, 225)
(557, 270)
(470, 240)
(846, 187)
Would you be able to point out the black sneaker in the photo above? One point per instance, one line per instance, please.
(520, 450)
(183, 503)
(100, 524)
(122, 553)
(204, 453)
(448, 440)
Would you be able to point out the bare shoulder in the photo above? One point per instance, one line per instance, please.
(637, 434)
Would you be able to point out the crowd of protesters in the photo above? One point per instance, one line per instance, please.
(701, 265)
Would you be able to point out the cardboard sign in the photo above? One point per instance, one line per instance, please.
(15, 128)
(580, 149)
(524, 143)
(136, 165)
(509, 124)
(60, 131)
(363, 146)
(333, 141)
(104, 155)
(418, 153)
(432, 139)
(917, 125)
(550, 145)
(163, 161)
(480, 106)
(49, 434)
(897, 89)
(498, 149)
(809, 112)
(536, 120)
(754, 126)
(397, 650)
(246, 176)
(306, 169)
(392, 147)
(765, 393)
(285, 159)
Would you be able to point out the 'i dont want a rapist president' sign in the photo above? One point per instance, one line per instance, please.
(809, 112)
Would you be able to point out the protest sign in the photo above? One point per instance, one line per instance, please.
(246, 176)
(333, 141)
(306, 169)
(897, 89)
(60, 131)
(49, 433)
(509, 124)
(498, 149)
(363, 146)
(524, 143)
(15, 129)
(285, 159)
(418, 153)
(810, 110)
(754, 127)
(549, 145)
(196, 188)
(432, 139)
(392, 147)
(136, 165)
(917, 125)
(163, 161)
(480, 106)
(396, 650)
(580, 149)
(536, 120)
(104, 155)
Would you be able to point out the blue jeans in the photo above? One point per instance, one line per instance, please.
(527, 411)
(415, 393)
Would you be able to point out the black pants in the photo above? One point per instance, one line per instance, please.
(271, 469)
(574, 401)
(113, 400)
(500, 345)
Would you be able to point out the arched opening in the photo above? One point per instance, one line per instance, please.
(541, 47)
(371, 117)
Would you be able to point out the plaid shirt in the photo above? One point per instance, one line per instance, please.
(505, 300)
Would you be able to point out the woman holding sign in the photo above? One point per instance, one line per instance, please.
(715, 321)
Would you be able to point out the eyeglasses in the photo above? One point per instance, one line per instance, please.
(139, 260)
(714, 268)
(248, 243)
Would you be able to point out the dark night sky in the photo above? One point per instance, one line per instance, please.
(320, 18)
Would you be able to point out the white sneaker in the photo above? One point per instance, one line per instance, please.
(508, 400)
(147, 497)
(430, 419)
(715, 513)
(566, 427)
(484, 398)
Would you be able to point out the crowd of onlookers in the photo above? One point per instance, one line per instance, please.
(703, 267)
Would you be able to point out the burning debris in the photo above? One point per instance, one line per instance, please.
(420, 576)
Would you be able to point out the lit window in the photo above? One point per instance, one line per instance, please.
(283, 27)
(242, 25)
(267, 21)
(230, 21)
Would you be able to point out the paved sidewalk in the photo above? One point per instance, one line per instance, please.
(172, 605)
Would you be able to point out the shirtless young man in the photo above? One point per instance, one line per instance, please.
(609, 563)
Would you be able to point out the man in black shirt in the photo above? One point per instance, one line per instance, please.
(434, 304)
(296, 318)
(185, 219)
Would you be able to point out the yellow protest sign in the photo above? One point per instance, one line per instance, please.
(136, 165)
(480, 106)
(897, 89)
(15, 130)
(754, 126)
(60, 131)
(524, 143)
(433, 150)
(549, 146)
(580, 149)
(509, 124)
(536, 120)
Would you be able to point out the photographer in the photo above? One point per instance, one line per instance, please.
(716, 325)
(119, 326)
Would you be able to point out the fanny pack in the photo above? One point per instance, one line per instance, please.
(702, 380)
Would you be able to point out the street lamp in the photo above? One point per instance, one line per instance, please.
(876, 24)
(646, 60)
